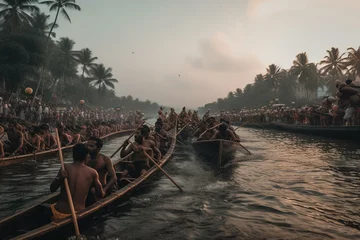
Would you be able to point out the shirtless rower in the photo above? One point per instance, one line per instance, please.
(140, 162)
(81, 178)
(101, 163)
(65, 138)
(16, 139)
(172, 117)
(230, 128)
(145, 131)
(210, 131)
(33, 143)
(225, 134)
(149, 141)
(48, 138)
(161, 138)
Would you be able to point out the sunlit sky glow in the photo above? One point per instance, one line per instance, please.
(215, 46)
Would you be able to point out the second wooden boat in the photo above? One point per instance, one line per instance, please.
(32, 223)
(217, 151)
(52, 152)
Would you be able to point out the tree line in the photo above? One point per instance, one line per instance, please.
(32, 56)
(280, 84)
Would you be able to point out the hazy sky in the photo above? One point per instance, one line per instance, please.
(215, 46)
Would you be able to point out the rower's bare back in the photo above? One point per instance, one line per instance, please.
(81, 178)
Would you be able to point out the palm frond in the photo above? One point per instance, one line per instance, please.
(65, 14)
(72, 6)
(48, 3)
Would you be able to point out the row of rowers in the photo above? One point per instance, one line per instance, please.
(92, 176)
(210, 130)
(18, 139)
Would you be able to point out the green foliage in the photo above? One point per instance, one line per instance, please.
(21, 57)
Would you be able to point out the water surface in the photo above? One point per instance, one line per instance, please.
(292, 187)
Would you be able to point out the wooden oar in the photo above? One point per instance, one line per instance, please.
(32, 147)
(76, 226)
(167, 175)
(182, 129)
(244, 148)
(122, 159)
(122, 145)
(214, 127)
(240, 126)
(210, 128)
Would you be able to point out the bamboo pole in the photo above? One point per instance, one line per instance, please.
(76, 226)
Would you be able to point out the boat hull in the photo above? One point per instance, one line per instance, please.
(217, 152)
(19, 222)
(338, 132)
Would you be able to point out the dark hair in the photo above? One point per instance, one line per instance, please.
(99, 142)
(45, 126)
(139, 138)
(223, 127)
(145, 129)
(80, 152)
(222, 120)
(348, 82)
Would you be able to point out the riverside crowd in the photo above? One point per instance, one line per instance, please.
(26, 128)
(325, 114)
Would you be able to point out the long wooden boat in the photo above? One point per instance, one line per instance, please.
(31, 223)
(338, 132)
(48, 153)
(218, 152)
(254, 125)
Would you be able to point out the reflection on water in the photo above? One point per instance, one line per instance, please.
(292, 187)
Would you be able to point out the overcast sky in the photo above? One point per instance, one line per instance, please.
(215, 46)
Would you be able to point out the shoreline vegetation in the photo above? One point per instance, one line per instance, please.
(33, 56)
(282, 84)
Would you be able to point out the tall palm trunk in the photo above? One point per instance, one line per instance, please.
(46, 53)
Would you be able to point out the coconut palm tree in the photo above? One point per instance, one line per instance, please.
(102, 77)
(287, 87)
(58, 6)
(259, 79)
(305, 72)
(16, 12)
(334, 63)
(274, 75)
(85, 58)
(61, 6)
(353, 61)
(39, 22)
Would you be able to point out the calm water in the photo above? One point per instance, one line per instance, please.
(292, 187)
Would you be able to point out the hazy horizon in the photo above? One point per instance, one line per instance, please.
(188, 53)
